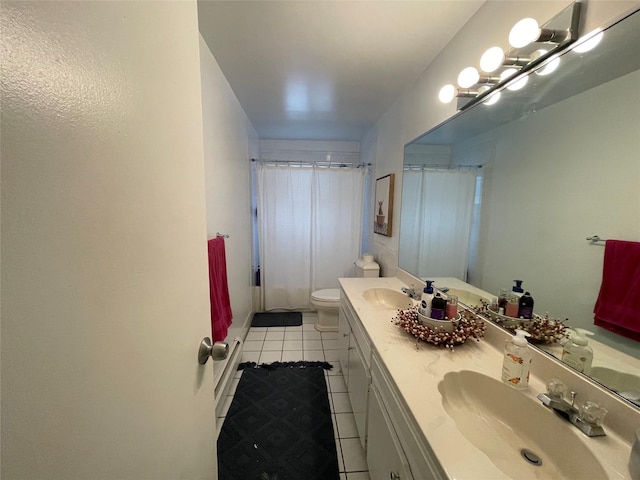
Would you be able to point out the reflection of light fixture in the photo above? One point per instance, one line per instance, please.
(468, 77)
(511, 69)
(589, 41)
(516, 84)
(550, 66)
(492, 98)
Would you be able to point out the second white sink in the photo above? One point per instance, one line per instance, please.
(387, 298)
(515, 431)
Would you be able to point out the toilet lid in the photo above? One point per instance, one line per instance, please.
(327, 295)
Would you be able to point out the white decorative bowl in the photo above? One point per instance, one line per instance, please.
(509, 321)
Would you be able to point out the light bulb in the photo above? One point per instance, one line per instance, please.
(550, 67)
(589, 41)
(447, 93)
(524, 32)
(492, 98)
(515, 85)
(492, 59)
(468, 77)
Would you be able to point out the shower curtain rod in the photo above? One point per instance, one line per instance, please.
(298, 163)
(420, 166)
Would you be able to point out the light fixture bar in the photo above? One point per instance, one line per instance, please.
(565, 24)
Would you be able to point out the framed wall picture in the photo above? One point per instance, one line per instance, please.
(383, 209)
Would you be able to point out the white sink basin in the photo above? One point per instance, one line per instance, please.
(504, 423)
(387, 298)
(468, 298)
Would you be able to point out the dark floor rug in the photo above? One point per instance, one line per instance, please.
(279, 425)
(276, 319)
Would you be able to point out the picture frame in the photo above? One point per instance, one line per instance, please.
(383, 208)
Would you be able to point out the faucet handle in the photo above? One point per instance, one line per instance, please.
(592, 412)
(573, 397)
(556, 389)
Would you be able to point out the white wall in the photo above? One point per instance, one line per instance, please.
(230, 141)
(418, 109)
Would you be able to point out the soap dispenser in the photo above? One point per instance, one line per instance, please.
(576, 352)
(517, 288)
(517, 361)
(425, 300)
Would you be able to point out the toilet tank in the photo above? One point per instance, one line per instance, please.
(366, 267)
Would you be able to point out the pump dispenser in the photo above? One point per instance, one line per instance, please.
(517, 288)
(576, 352)
(425, 300)
(517, 361)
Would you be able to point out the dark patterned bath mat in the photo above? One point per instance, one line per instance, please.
(277, 319)
(279, 426)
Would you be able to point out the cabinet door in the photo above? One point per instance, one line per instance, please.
(358, 388)
(344, 335)
(385, 457)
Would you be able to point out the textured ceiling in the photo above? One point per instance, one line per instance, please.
(325, 70)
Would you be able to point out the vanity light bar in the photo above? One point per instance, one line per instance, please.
(524, 56)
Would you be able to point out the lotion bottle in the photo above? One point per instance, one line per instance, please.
(516, 364)
(425, 300)
(525, 306)
(576, 352)
(438, 307)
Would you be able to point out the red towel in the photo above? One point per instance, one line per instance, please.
(618, 306)
(221, 315)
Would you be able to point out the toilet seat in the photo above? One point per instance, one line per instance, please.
(326, 296)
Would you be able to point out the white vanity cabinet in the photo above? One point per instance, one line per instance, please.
(385, 456)
(395, 447)
(407, 455)
(355, 361)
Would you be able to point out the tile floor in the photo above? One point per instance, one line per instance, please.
(284, 344)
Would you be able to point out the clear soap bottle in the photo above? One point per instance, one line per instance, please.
(516, 364)
(576, 352)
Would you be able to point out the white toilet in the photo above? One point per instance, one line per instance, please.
(327, 300)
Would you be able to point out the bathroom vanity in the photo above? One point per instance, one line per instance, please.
(417, 422)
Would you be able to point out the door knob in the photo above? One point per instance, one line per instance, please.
(217, 351)
(394, 476)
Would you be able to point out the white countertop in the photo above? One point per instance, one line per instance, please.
(417, 369)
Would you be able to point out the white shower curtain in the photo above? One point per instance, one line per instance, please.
(437, 212)
(309, 230)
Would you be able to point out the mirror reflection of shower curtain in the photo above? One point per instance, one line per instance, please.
(309, 230)
(434, 235)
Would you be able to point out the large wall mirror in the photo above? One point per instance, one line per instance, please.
(536, 174)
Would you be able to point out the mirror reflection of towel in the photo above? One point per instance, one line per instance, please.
(618, 306)
(221, 315)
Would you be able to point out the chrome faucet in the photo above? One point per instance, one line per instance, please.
(587, 417)
(411, 292)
